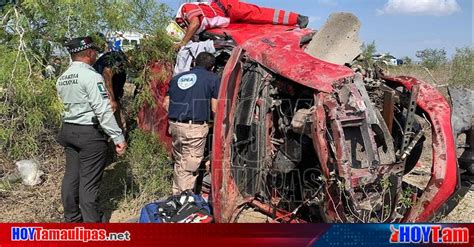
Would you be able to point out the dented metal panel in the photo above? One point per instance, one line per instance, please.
(444, 173)
(352, 143)
(224, 192)
(279, 50)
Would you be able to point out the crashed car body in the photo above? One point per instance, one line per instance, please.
(303, 140)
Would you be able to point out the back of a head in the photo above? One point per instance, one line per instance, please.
(78, 47)
(79, 55)
(206, 60)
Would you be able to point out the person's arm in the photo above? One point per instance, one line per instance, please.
(166, 103)
(214, 105)
(99, 101)
(108, 74)
(193, 27)
(215, 94)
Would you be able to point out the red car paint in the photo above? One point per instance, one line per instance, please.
(444, 173)
(225, 194)
(278, 49)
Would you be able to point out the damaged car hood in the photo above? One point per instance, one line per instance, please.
(279, 49)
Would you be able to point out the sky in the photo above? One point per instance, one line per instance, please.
(400, 27)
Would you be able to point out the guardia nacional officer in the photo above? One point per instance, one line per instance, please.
(86, 116)
(191, 97)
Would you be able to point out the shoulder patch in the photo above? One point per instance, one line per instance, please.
(102, 90)
(187, 81)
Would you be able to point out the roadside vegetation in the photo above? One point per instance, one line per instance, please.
(456, 71)
(32, 33)
(434, 66)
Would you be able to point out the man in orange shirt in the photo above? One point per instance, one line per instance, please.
(197, 17)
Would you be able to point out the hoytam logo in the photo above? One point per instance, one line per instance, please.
(74, 234)
(435, 234)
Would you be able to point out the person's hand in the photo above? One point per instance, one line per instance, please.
(120, 148)
(177, 46)
(114, 105)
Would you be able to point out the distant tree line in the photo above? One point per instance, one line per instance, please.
(461, 65)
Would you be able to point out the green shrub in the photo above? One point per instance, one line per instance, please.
(462, 67)
(31, 31)
(30, 107)
(155, 48)
(368, 51)
(407, 61)
(432, 58)
(150, 168)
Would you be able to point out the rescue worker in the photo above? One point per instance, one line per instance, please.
(191, 97)
(87, 107)
(197, 17)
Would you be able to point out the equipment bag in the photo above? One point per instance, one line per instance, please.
(185, 208)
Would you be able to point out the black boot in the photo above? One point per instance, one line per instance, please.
(303, 21)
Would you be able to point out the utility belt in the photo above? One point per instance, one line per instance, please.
(95, 126)
(222, 7)
(174, 120)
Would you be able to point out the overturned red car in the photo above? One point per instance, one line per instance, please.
(298, 139)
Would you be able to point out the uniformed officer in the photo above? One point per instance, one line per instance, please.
(87, 107)
(191, 97)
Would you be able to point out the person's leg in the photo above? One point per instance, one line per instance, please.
(193, 151)
(70, 183)
(251, 13)
(93, 156)
(178, 137)
(70, 186)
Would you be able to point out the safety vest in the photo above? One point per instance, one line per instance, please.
(210, 15)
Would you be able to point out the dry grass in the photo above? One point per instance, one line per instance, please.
(41, 203)
(121, 196)
(459, 71)
(134, 180)
(439, 76)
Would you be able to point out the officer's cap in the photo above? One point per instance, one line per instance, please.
(79, 44)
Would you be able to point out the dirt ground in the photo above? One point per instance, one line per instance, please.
(42, 203)
(464, 211)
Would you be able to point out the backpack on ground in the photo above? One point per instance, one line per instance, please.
(185, 208)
